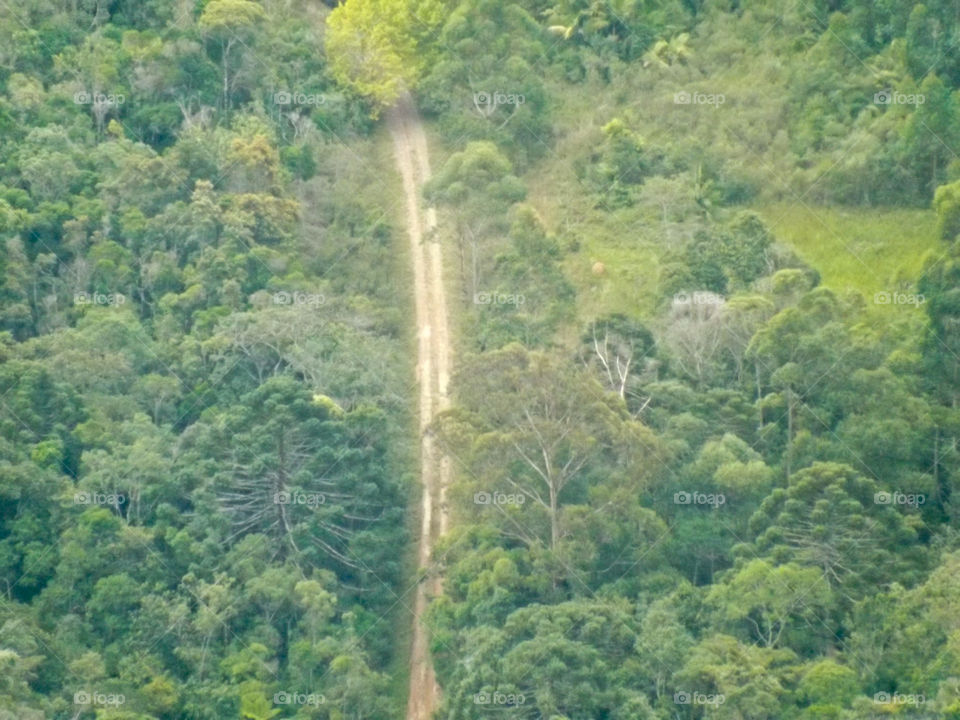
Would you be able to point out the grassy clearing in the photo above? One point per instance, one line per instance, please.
(628, 281)
(865, 249)
(621, 241)
(868, 250)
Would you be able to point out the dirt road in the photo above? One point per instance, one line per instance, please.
(433, 375)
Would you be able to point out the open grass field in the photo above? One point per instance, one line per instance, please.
(866, 249)
(611, 259)
(863, 250)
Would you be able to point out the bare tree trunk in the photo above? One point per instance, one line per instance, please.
(554, 520)
(756, 368)
(789, 458)
(463, 269)
(226, 73)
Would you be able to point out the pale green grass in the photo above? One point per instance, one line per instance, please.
(865, 249)
(622, 241)
(628, 282)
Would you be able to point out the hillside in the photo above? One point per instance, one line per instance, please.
(476, 359)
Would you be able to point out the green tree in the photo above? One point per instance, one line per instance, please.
(269, 458)
(574, 659)
(946, 203)
(545, 431)
(231, 23)
(752, 679)
(768, 599)
(620, 163)
(486, 83)
(828, 687)
(931, 133)
(372, 47)
(829, 517)
(479, 185)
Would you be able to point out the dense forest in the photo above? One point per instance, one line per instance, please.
(703, 263)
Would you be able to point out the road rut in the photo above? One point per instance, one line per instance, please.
(433, 375)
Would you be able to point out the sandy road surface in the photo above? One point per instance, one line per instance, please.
(433, 374)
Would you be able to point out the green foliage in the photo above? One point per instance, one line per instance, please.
(204, 417)
(162, 355)
(570, 659)
(751, 679)
(231, 23)
(770, 599)
(485, 84)
(372, 46)
(828, 687)
(869, 251)
(478, 182)
(821, 520)
(946, 202)
(619, 164)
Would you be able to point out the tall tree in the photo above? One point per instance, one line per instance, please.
(372, 46)
(544, 431)
(231, 23)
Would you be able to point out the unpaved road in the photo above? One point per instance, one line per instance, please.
(433, 375)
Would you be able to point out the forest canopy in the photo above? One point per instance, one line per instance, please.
(703, 273)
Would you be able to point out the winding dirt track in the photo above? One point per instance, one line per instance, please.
(433, 375)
